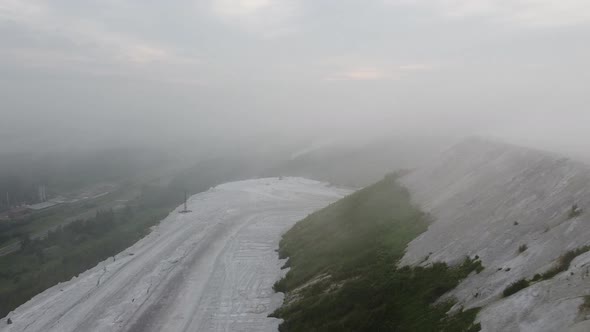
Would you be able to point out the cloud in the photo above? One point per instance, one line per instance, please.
(415, 67)
(20, 11)
(532, 13)
(240, 8)
(46, 38)
(71, 39)
(374, 73)
(358, 74)
(144, 54)
(266, 18)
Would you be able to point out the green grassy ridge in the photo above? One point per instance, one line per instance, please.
(358, 241)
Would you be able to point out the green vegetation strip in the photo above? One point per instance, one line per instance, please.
(563, 263)
(344, 276)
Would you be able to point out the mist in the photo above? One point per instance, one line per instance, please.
(294, 165)
(198, 73)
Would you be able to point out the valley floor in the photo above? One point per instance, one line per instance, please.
(208, 270)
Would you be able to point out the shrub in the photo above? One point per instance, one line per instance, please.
(479, 268)
(515, 287)
(564, 262)
(574, 212)
(279, 286)
(474, 328)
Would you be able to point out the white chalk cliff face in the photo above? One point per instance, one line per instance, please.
(488, 199)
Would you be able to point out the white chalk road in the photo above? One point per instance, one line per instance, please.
(208, 270)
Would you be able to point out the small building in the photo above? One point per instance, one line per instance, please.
(41, 206)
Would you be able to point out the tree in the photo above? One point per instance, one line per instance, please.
(25, 241)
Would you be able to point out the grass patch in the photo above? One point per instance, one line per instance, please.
(574, 212)
(515, 287)
(358, 241)
(564, 262)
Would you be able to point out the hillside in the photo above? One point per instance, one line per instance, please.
(343, 274)
(522, 212)
(359, 165)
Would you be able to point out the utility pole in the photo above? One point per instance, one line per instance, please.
(185, 207)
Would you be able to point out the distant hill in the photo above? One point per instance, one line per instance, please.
(338, 163)
(360, 165)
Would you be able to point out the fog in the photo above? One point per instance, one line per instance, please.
(224, 72)
(156, 157)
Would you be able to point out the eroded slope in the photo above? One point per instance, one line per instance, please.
(512, 207)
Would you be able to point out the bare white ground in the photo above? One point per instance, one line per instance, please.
(487, 199)
(208, 270)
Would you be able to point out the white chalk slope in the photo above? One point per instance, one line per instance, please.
(489, 198)
(209, 270)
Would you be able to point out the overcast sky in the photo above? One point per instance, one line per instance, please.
(145, 70)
